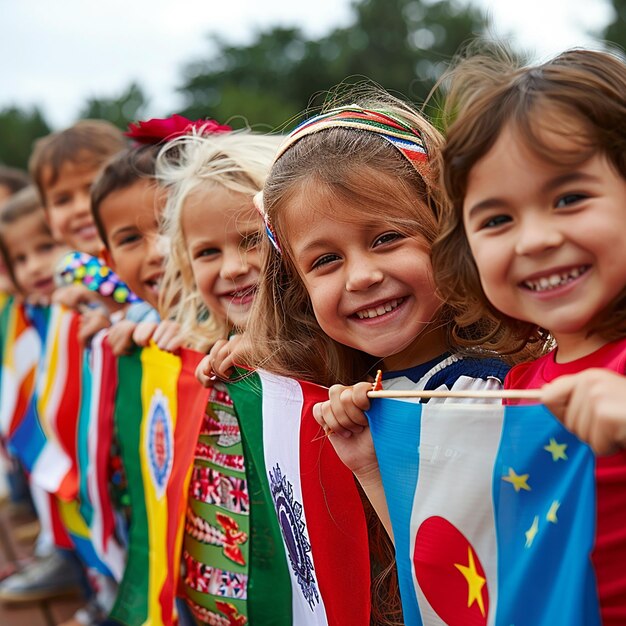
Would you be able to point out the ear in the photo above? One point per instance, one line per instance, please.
(105, 256)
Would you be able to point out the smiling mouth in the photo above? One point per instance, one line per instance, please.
(553, 281)
(381, 309)
(154, 283)
(240, 293)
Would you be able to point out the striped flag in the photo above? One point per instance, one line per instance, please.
(158, 411)
(21, 351)
(319, 519)
(493, 514)
(58, 390)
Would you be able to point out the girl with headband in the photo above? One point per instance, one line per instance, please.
(351, 208)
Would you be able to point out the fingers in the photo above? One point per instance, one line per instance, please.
(167, 336)
(143, 333)
(339, 413)
(204, 373)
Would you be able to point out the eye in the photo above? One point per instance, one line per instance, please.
(387, 238)
(19, 259)
(46, 247)
(206, 252)
(323, 260)
(128, 239)
(569, 199)
(61, 200)
(496, 220)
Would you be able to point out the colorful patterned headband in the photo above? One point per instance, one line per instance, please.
(397, 132)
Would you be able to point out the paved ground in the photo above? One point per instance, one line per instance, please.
(44, 613)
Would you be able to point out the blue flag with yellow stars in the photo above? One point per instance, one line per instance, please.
(493, 514)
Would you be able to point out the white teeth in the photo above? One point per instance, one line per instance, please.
(545, 283)
(379, 310)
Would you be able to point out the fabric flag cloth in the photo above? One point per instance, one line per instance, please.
(21, 351)
(58, 392)
(319, 519)
(493, 514)
(96, 441)
(158, 411)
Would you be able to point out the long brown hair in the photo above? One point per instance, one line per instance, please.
(357, 169)
(488, 92)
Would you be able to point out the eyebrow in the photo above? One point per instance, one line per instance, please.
(551, 185)
(121, 231)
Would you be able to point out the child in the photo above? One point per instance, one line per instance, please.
(28, 247)
(30, 254)
(64, 165)
(535, 238)
(126, 205)
(351, 208)
(209, 285)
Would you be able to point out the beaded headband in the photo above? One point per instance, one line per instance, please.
(396, 131)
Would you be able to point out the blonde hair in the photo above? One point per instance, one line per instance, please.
(238, 161)
(342, 162)
(488, 92)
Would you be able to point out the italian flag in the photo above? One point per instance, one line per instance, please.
(158, 412)
(306, 501)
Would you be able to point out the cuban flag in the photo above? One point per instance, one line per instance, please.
(493, 514)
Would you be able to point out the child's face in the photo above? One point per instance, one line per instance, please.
(549, 240)
(130, 218)
(221, 230)
(68, 205)
(33, 255)
(371, 287)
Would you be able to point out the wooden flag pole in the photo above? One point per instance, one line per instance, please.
(505, 394)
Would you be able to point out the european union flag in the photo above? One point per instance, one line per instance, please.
(493, 514)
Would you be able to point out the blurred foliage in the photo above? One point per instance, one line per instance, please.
(18, 130)
(615, 32)
(402, 45)
(128, 107)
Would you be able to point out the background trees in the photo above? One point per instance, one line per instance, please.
(403, 45)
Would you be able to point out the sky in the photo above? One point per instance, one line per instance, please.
(56, 54)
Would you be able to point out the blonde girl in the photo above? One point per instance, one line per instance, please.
(210, 282)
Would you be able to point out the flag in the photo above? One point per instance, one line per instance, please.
(323, 574)
(493, 514)
(21, 350)
(96, 440)
(158, 411)
(58, 390)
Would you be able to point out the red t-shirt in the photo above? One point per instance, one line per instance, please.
(609, 554)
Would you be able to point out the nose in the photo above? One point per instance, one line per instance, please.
(537, 235)
(363, 273)
(82, 203)
(157, 249)
(234, 263)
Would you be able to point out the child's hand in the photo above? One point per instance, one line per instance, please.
(121, 337)
(221, 359)
(92, 321)
(143, 333)
(342, 417)
(591, 404)
(74, 296)
(167, 336)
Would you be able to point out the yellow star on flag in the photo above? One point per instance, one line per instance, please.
(475, 582)
(557, 450)
(531, 533)
(551, 514)
(518, 481)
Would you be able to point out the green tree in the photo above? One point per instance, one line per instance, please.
(19, 129)
(120, 110)
(402, 45)
(615, 32)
